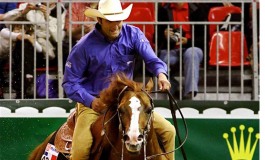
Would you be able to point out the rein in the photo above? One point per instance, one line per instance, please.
(173, 105)
(105, 133)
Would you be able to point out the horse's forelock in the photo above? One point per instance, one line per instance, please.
(121, 80)
(117, 83)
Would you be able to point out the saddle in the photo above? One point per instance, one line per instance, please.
(64, 136)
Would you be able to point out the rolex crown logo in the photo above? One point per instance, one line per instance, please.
(242, 151)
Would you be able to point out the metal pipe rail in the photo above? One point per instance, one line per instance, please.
(253, 75)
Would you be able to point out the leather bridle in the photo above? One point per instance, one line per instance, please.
(145, 130)
(173, 104)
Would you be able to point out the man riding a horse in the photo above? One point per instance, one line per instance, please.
(110, 48)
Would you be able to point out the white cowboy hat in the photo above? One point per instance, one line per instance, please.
(110, 10)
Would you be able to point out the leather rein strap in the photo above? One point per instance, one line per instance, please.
(173, 106)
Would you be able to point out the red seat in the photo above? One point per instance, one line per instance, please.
(140, 14)
(220, 46)
(149, 5)
(218, 14)
(51, 69)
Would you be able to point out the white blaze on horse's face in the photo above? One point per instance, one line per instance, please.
(133, 132)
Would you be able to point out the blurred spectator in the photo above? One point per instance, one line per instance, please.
(250, 29)
(4, 7)
(198, 12)
(16, 34)
(192, 56)
(24, 35)
(38, 14)
(76, 14)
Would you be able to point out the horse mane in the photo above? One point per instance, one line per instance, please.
(117, 82)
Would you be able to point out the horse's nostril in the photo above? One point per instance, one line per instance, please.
(126, 137)
(140, 138)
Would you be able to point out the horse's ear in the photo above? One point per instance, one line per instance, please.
(149, 86)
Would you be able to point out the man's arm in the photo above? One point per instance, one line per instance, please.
(153, 63)
(73, 77)
(1, 16)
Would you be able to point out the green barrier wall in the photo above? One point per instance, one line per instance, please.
(18, 136)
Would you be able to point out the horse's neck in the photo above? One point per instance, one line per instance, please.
(113, 137)
(112, 125)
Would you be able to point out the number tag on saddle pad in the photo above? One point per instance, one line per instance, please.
(50, 153)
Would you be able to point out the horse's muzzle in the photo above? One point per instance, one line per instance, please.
(134, 144)
(134, 148)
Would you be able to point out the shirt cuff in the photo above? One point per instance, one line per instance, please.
(161, 71)
(89, 101)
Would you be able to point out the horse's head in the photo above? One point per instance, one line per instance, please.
(135, 108)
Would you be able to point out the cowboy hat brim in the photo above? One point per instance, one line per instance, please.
(111, 17)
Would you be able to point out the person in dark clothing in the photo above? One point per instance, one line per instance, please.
(4, 7)
(28, 67)
(180, 42)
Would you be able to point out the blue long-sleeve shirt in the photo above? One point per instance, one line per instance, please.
(94, 59)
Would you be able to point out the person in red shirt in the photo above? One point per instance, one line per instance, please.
(76, 13)
(179, 37)
(75, 30)
(180, 13)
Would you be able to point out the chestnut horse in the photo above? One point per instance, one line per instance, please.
(125, 130)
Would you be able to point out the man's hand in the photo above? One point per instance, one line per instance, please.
(28, 8)
(98, 106)
(168, 32)
(30, 38)
(43, 9)
(183, 41)
(20, 36)
(163, 82)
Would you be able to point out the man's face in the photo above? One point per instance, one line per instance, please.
(111, 29)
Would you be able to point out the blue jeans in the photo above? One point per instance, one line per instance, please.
(192, 57)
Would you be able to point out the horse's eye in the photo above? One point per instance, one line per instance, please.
(148, 110)
(121, 111)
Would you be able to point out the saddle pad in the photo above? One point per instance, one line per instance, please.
(50, 153)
